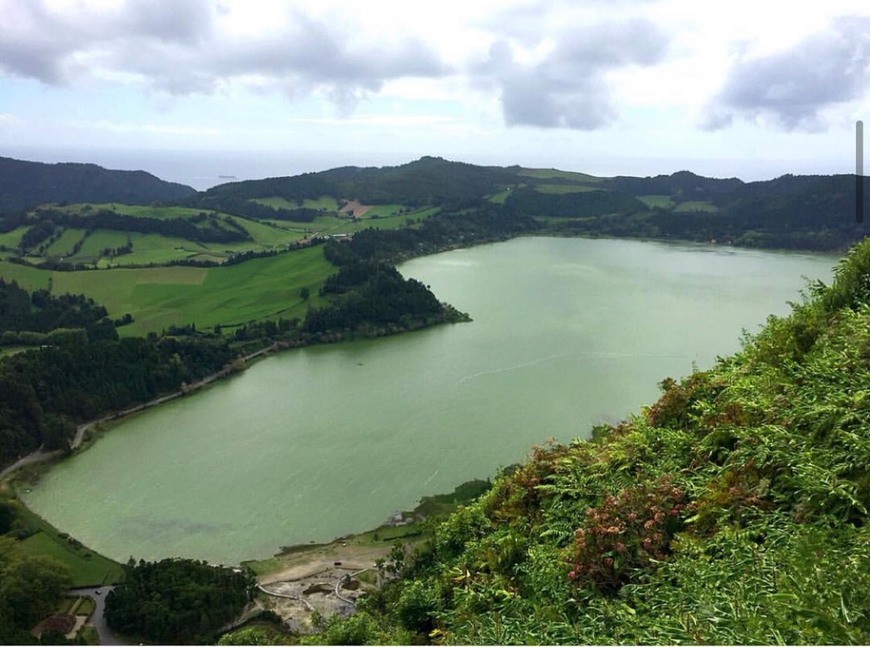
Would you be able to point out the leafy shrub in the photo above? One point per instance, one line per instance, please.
(627, 533)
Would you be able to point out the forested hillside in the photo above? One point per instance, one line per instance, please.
(177, 601)
(27, 184)
(731, 511)
(791, 212)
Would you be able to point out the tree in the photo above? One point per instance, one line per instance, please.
(30, 586)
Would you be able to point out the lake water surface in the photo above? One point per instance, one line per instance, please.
(324, 441)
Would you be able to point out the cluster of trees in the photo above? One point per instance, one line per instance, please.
(790, 212)
(269, 329)
(579, 204)
(487, 222)
(732, 511)
(41, 231)
(375, 295)
(40, 317)
(177, 601)
(30, 589)
(429, 180)
(45, 392)
(372, 297)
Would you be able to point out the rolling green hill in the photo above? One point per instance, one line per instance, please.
(795, 212)
(27, 184)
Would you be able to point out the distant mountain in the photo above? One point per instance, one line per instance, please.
(26, 184)
(790, 212)
(799, 212)
(429, 180)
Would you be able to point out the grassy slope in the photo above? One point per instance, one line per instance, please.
(158, 297)
(545, 174)
(86, 567)
(12, 238)
(664, 201)
(162, 296)
(733, 510)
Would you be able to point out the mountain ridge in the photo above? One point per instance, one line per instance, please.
(811, 212)
(25, 184)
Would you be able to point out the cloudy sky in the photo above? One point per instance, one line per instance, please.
(752, 89)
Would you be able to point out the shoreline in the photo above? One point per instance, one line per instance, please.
(80, 443)
(41, 456)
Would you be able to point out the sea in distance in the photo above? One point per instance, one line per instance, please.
(315, 443)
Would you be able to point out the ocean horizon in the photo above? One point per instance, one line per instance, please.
(205, 169)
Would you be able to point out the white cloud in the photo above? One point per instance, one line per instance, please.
(521, 78)
(8, 120)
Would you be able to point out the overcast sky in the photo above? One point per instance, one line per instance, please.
(752, 89)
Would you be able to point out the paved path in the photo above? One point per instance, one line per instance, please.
(35, 457)
(97, 618)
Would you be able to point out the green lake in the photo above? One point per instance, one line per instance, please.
(320, 442)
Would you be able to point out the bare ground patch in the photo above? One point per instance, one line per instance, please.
(355, 207)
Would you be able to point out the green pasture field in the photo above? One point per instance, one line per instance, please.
(500, 197)
(373, 218)
(323, 202)
(696, 205)
(30, 278)
(564, 188)
(276, 202)
(100, 240)
(143, 211)
(272, 233)
(158, 297)
(385, 210)
(156, 249)
(544, 174)
(663, 201)
(63, 245)
(86, 567)
(12, 238)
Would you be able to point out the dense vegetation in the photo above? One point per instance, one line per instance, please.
(488, 222)
(371, 296)
(795, 212)
(43, 318)
(579, 204)
(177, 601)
(429, 180)
(44, 393)
(731, 511)
(27, 184)
(375, 297)
(30, 589)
